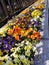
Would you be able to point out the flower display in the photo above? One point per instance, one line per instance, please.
(7, 43)
(18, 33)
(20, 54)
(40, 6)
(19, 38)
(25, 11)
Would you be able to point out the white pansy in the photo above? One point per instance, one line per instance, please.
(9, 62)
(27, 53)
(13, 54)
(42, 19)
(27, 42)
(13, 49)
(22, 42)
(4, 57)
(16, 60)
(34, 49)
(21, 56)
(18, 48)
(25, 61)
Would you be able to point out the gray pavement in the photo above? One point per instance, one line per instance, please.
(43, 46)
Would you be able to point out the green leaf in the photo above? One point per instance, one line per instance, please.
(30, 33)
(38, 19)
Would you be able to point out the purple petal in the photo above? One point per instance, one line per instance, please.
(6, 41)
(33, 20)
(0, 40)
(12, 42)
(9, 37)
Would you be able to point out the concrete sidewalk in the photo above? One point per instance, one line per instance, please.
(43, 46)
(43, 49)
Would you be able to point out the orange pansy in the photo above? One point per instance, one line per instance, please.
(40, 6)
(17, 29)
(17, 37)
(14, 34)
(36, 34)
(32, 37)
(38, 38)
(30, 29)
(10, 31)
(25, 11)
(26, 33)
(22, 32)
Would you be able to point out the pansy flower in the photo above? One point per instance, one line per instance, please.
(32, 22)
(6, 47)
(0, 40)
(9, 37)
(12, 42)
(36, 13)
(40, 6)
(5, 41)
(10, 31)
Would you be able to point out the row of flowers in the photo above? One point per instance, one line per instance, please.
(18, 33)
(18, 43)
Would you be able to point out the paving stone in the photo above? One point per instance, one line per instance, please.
(43, 46)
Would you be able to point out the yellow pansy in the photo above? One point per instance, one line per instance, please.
(27, 53)
(36, 13)
(25, 61)
(1, 53)
(27, 47)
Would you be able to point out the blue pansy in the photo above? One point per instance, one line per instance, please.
(12, 42)
(5, 41)
(10, 46)
(36, 24)
(9, 37)
(6, 47)
(33, 21)
(0, 40)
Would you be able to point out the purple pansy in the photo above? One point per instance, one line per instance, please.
(36, 24)
(5, 41)
(0, 40)
(9, 37)
(6, 47)
(12, 42)
(33, 21)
